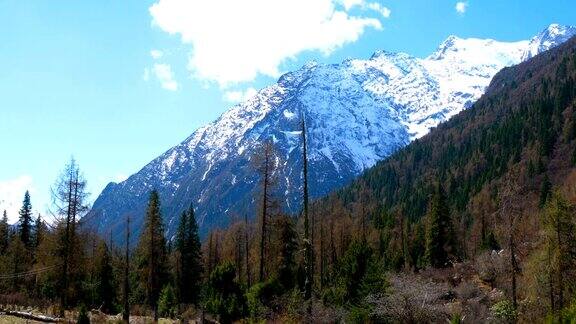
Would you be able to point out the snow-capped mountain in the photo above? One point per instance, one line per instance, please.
(357, 112)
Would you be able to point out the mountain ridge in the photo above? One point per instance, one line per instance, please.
(358, 112)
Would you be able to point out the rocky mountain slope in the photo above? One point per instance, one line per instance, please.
(357, 113)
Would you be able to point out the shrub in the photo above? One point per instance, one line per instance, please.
(167, 304)
(359, 315)
(224, 296)
(259, 296)
(504, 310)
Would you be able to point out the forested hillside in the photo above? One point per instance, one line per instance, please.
(522, 127)
(474, 222)
(478, 215)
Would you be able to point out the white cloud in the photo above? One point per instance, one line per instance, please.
(239, 96)
(156, 54)
(12, 193)
(164, 74)
(461, 7)
(234, 41)
(384, 11)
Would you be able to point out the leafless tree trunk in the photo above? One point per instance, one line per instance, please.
(126, 313)
(69, 199)
(247, 249)
(509, 212)
(265, 166)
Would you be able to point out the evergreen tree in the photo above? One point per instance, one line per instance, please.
(545, 191)
(194, 262)
(224, 296)
(25, 223)
(152, 250)
(4, 231)
(106, 291)
(288, 247)
(181, 251)
(39, 231)
(189, 251)
(439, 230)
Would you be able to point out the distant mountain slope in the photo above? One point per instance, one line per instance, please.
(524, 128)
(358, 112)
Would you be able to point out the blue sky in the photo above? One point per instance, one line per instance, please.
(118, 82)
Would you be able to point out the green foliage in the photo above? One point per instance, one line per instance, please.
(39, 232)
(106, 292)
(83, 317)
(439, 232)
(259, 296)
(359, 315)
(508, 128)
(360, 273)
(504, 310)
(167, 304)
(190, 268)
(374, 280)
(456, 319)
(490, 242)
(152, 254)
(288, 247)
(224, 297)
(565, 316)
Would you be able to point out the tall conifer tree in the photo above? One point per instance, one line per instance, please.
(25, 223)
(4, 231)
(439, 230)
(152, 249)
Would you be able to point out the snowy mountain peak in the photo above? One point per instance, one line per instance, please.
(357, 113)
(552, 36)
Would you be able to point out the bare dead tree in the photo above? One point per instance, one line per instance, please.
(247, 249)
(126, 313)
(510, 213)
(69, 198)
(265, 164)
(308, 247)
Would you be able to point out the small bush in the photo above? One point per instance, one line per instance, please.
(504, 310)
(167, 304)
(224, 297)
(259, 296)
(359, 315)
(335, 295)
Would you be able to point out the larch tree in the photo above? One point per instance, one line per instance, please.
(561, 235)
(247, 249)
(510, 214)
(69, 198)
(265, 165)
(25, 222)
(126, 288)
(308, 248)
(153, 254)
